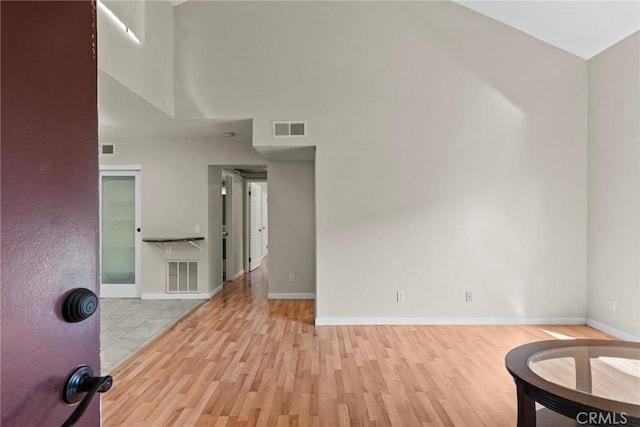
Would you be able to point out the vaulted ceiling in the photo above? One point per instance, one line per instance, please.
(584, 28)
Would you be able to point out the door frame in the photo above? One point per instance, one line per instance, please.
(113, 290)
(264, 219)
(227, 178)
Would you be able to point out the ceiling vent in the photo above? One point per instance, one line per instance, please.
(107, 149)
(289, 129)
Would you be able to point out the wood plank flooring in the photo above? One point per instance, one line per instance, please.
(243, 360)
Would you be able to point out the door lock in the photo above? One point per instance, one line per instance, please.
(79, 304)
(81, 386)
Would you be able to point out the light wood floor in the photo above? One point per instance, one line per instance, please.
(241, 360)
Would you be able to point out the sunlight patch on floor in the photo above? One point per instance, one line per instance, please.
(557, 335)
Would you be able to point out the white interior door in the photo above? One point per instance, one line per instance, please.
(255, 225)
(120, 233)
(264, 220)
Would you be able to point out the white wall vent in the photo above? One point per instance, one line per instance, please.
(107, 149)
(182, 276)
(289, 129)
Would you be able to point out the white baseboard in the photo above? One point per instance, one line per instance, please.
(278, 295)
(207, 295)
(215, 292)
(118, 291)
(336, 321)
(612, 331)
(237, 275)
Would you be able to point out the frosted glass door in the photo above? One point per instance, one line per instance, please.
(118, 229)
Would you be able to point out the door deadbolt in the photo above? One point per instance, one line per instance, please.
(79, 305)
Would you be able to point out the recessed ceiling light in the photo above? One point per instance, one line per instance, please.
(229, 134)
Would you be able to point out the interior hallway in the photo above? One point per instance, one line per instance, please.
(242, 360)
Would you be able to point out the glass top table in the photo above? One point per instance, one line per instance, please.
(589, 382)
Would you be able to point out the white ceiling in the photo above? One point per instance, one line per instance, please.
(584, 28)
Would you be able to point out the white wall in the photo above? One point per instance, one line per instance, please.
(451, 150)
(146, 68)
(292, 245)
(175, 198)
(614, 188)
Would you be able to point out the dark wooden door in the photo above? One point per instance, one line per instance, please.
(49, 211)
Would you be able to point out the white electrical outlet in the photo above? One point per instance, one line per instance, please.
(197, 229)
(400, 296)
(612, 305)
(292, 277)
(468, 296)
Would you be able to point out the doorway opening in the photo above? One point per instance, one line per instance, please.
(230, 228)
(227, 193)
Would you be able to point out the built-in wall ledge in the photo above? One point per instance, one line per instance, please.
(160, 241)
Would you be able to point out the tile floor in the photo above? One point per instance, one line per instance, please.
(127, 325)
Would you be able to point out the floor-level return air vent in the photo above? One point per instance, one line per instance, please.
(182, 276)
(289, 129)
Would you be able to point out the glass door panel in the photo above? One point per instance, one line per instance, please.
(118, 230)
